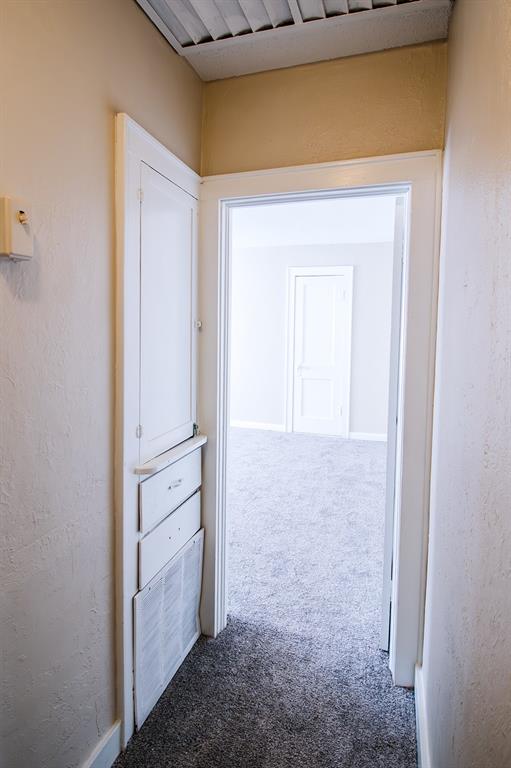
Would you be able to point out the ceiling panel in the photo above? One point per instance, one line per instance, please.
(222, 38)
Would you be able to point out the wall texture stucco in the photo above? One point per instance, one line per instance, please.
(71, 66)
(375, 104)
(467, 651)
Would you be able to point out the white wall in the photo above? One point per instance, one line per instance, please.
(259, 327)
(467, 648)
(68, 67)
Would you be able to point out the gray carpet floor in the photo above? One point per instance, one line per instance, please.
(296, 679)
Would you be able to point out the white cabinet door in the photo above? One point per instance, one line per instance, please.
(321, 300)
(167, 349)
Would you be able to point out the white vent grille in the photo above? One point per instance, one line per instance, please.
(166, 624)
(195, 22)
(222, 38)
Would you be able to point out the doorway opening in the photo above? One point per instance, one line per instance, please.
(315, 296)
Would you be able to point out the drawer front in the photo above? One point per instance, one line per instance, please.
(165, 491)
(159, 546)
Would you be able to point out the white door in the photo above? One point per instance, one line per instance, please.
(167, 350)
(320, 340)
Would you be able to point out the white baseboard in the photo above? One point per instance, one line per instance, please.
(376, 436)
(421, 716)
(107, 750)
(258, 425)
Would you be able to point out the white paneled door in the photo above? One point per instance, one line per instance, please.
(167, 400)
(319, 338)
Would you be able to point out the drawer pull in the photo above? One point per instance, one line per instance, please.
(175, 484)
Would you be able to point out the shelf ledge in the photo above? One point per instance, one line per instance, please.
(164, 460)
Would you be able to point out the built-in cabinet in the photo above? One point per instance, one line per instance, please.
(167, 304)
(159, 445)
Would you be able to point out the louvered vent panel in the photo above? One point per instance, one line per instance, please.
(336, 7)
(166, 624)
(195, 22)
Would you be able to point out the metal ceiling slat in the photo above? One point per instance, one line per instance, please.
(189, 20)
(360, 5)
(162, 9)
(256, 14)
(279, 12)
(233, 16)
(312, 9)
(336, 7)
(190, 23)
(211, 17)
(295, 11)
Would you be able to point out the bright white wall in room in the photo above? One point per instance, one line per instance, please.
(259, 323)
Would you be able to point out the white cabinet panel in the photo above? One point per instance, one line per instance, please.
(166, 490)
(159, 546)
(167, 349)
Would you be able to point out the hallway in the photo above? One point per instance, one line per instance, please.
(296, 679)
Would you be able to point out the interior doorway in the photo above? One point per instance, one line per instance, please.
(315, 306)
(417, 178)
(312, 299)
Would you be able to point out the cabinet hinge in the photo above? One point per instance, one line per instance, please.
(196, 430)
(140, 194)
(139, 431)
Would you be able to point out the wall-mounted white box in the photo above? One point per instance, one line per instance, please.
(16, 238)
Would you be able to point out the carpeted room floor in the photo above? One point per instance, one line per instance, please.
(296, 679)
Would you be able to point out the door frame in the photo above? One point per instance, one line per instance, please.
(419, 175)
(133, 146)
(319, 271)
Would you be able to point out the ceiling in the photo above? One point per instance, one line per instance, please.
(225, 38)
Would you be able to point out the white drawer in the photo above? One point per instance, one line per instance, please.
(163, 492)
(159, 546)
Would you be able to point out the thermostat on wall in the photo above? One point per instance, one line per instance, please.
(16, 239)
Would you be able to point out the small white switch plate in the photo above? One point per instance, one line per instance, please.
(16, 238)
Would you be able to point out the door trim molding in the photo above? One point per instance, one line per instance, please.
(420, 174)
(133, 146)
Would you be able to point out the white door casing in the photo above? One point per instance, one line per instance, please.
(416, 175)
(394, 445)
(319, 339)
(167, 401)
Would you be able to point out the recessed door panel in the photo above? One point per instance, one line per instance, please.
(167, 407)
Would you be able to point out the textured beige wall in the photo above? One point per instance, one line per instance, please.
(71, 65)
(467, 655)
(377, 104)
